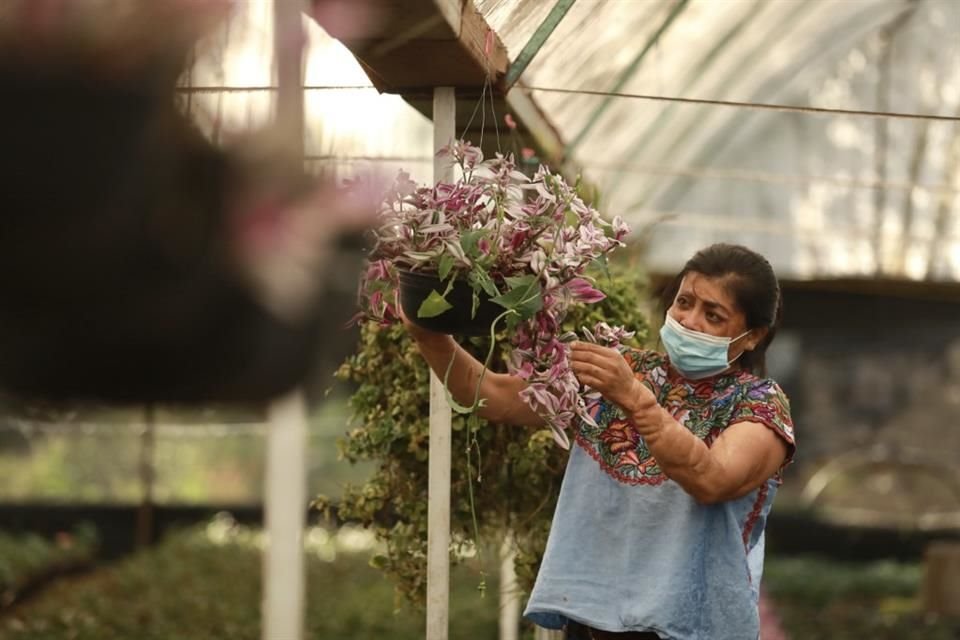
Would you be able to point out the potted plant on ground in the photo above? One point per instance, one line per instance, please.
(495, 246)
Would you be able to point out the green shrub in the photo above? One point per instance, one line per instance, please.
(515, 472)
(25, 557)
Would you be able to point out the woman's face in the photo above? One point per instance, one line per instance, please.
(704, 304)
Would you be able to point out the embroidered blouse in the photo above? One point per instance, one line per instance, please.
(629, 549)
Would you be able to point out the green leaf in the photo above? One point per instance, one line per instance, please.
(529, 307)
(450, 284)
(446, 264)
(528, 280)
(523, 297)
(434, 305)
(469, 240)
(481, 278)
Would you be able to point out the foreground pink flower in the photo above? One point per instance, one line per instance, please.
(583, 291)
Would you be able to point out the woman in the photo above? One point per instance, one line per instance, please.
(658, 531)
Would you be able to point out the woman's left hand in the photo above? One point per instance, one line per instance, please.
(605, 370)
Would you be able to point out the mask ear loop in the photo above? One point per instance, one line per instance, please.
(739, 355)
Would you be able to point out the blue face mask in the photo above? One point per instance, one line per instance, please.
(694, 354)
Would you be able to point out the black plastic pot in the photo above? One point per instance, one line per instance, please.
(416, 286)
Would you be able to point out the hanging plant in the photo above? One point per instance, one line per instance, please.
(495, 246)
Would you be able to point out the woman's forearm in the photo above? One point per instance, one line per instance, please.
(465, 372)
(681, 456)
(685, 459)
(499, 392)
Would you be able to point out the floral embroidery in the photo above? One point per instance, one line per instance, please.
(619, 449)
(706, 407)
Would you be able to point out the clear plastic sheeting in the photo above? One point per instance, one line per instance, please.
(823, 195)
(230, 91)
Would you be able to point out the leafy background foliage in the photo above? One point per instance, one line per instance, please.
(25, 557)
(204, 583)
(516, 471)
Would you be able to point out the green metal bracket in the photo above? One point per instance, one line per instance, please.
(628, 73)
(539, 37)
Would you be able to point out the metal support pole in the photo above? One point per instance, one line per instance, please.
(438, 502)
(285, 492)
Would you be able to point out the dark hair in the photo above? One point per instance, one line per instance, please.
(754, 288)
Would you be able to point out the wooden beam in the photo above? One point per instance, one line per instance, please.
(412, 45)
(452, 12)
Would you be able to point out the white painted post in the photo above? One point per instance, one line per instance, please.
(509, 590)
(438, 502)
(285, 491)
(285, 505)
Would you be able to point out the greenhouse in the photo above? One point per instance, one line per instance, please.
(227, 414)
